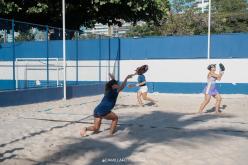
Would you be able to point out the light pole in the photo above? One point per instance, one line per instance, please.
(209, 30)
(64, 47)
(202, 6)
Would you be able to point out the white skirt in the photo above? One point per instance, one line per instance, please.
(143, 89)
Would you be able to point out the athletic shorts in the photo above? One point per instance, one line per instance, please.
(143, 89)
(102, 110)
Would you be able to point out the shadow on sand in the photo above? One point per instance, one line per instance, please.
(222, 108)
(122, 106)
(141, 130)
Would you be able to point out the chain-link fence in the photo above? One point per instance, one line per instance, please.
(31, 56)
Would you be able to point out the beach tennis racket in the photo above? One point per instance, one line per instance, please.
(222, 67)
(131, 86)
(142, 69)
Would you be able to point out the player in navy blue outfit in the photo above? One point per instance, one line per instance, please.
(103, 110)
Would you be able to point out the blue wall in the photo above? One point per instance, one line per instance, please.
(185, 47)
(190, 88)
(229, 46)
(166, 47)
(92, 49)
(7, 85)
(28, 96)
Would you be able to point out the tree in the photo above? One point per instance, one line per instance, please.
(188, 23)
(229, 16)
(86, 12)
(229, 6)
(8, 7)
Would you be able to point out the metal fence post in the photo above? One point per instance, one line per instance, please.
(47, 55)
(100, 58)
(13, 52)
(109, 58)
(119, 57)
(77, 37)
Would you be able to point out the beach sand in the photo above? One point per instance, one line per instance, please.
(48, 133)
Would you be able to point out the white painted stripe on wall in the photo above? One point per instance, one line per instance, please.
(35, 70)
(193, 70)
(186, 70)
(6, 70)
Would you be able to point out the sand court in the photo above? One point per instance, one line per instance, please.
(48, 133)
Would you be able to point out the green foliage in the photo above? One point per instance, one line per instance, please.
(229, 16)
(229, 6)
(24, 36)
(87, 12)
(143, 30)
(39, 8)
(188, 23)
(8, 7)
(230, 22)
